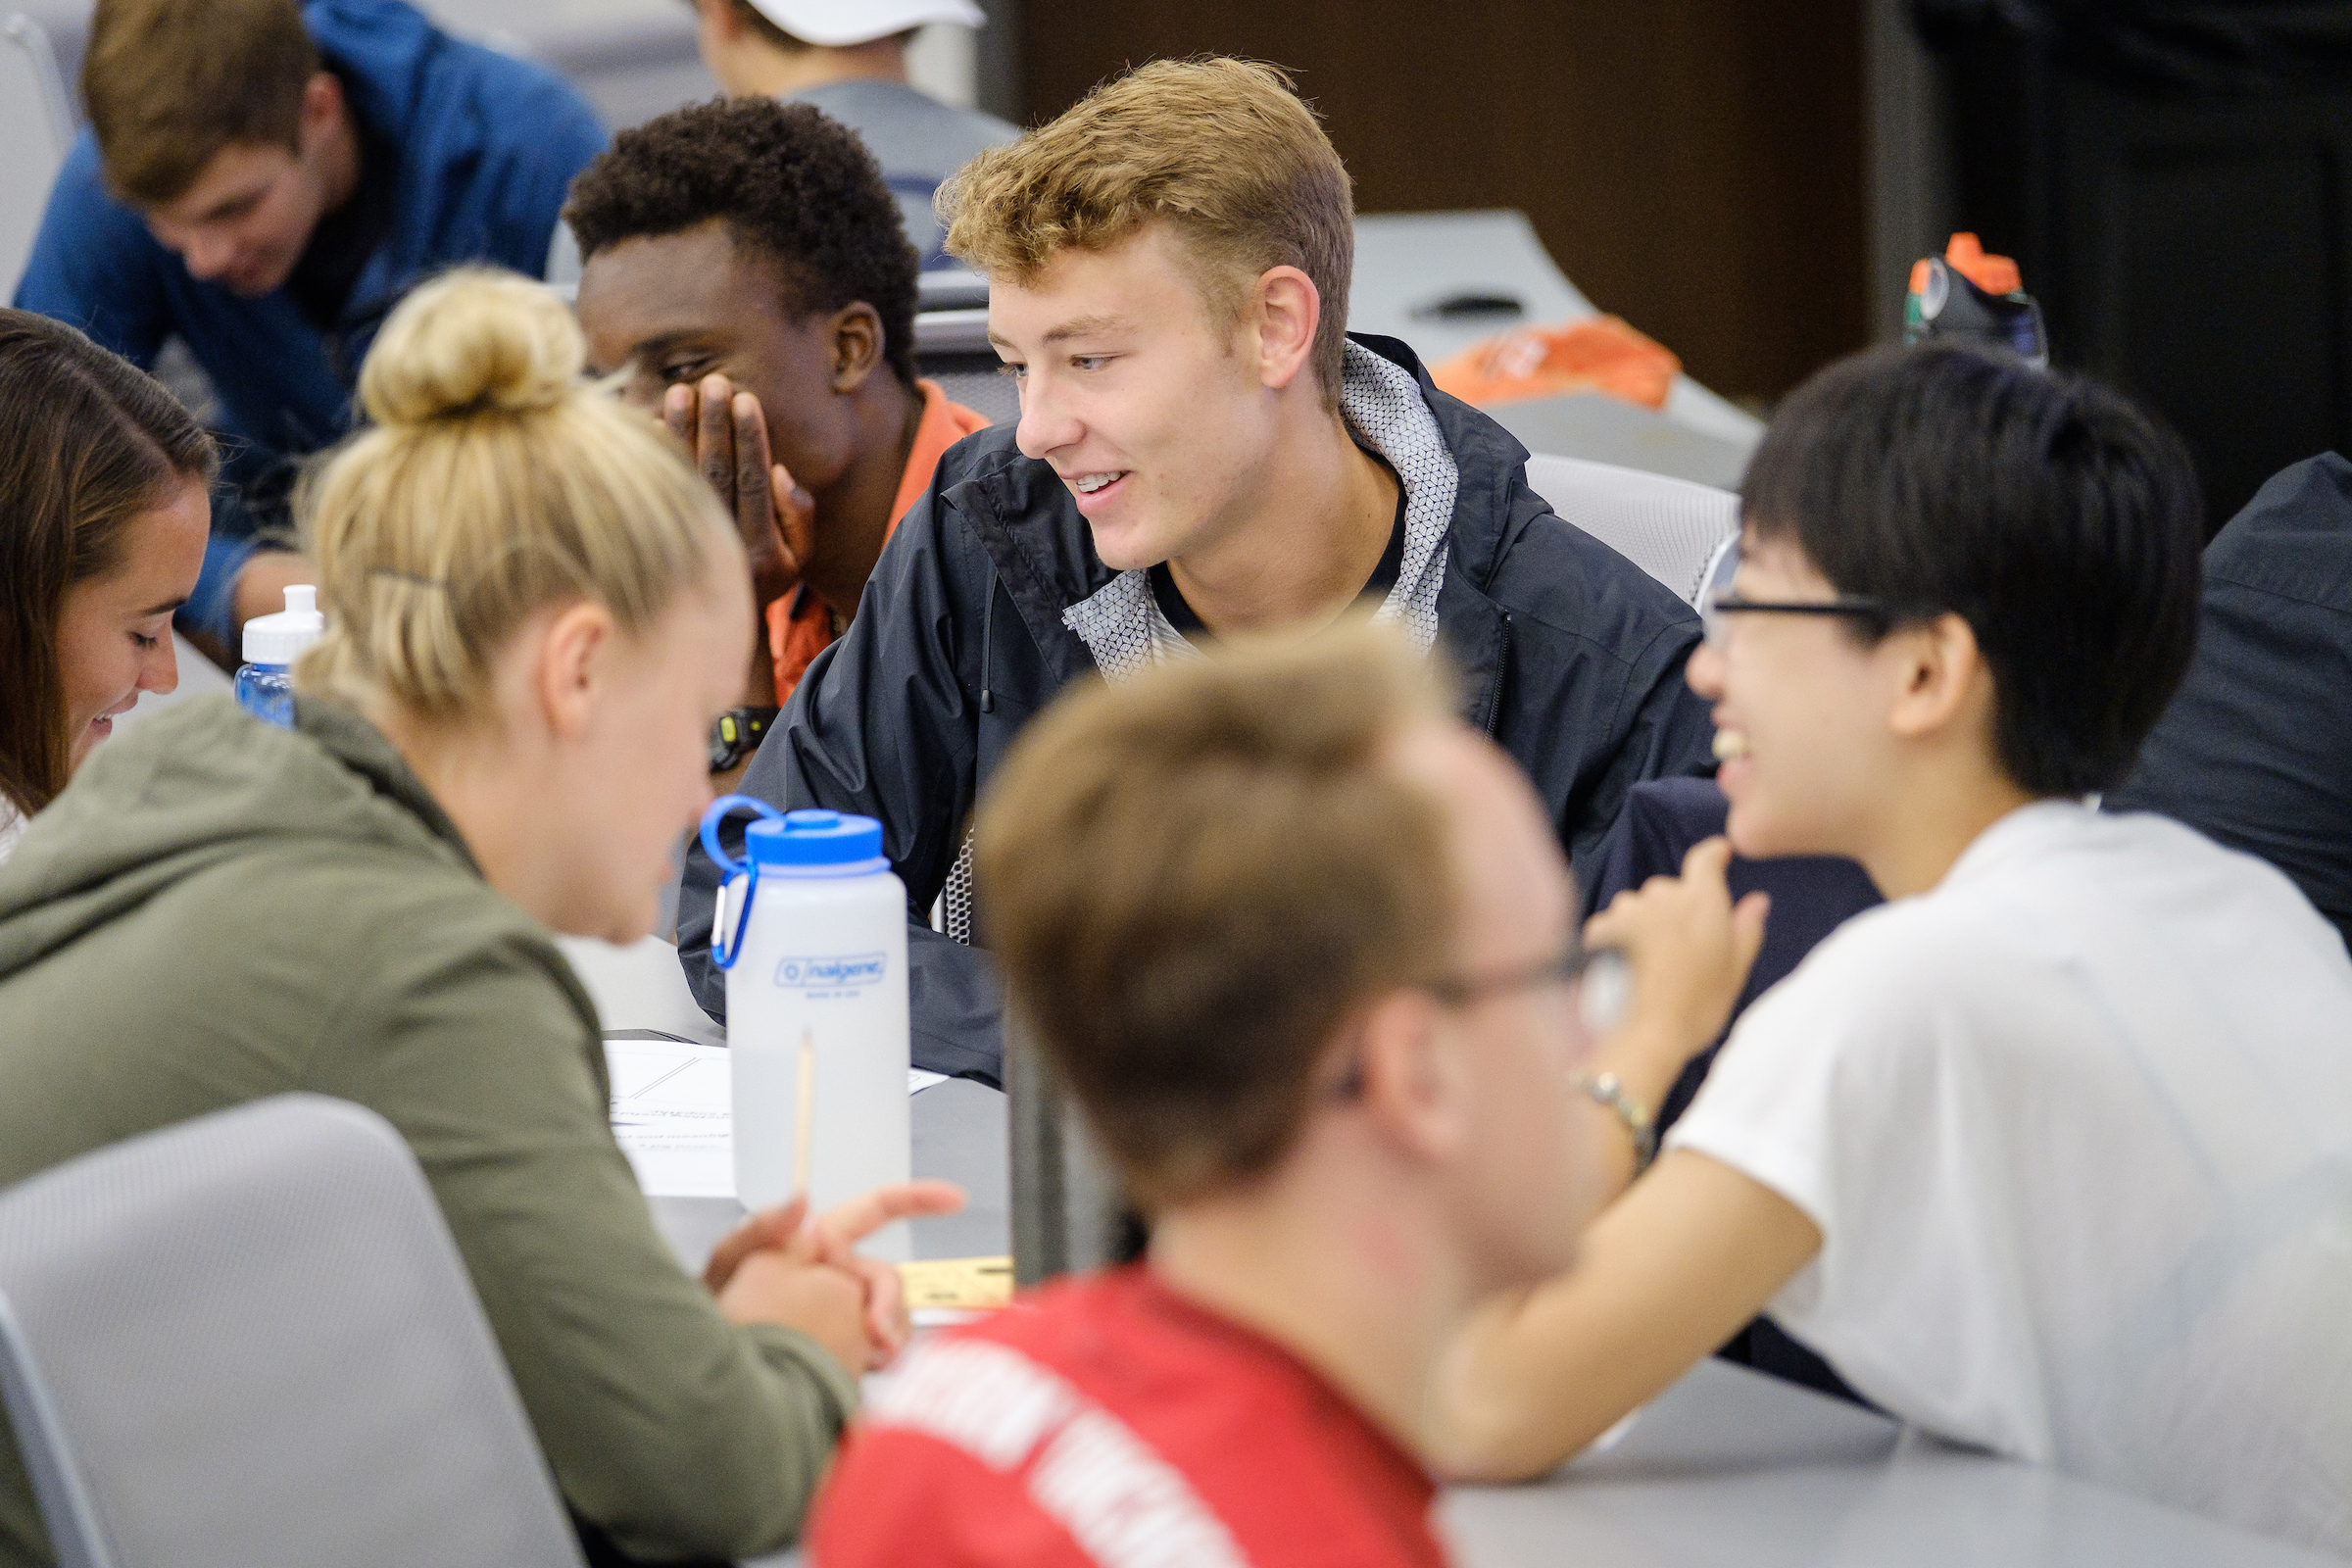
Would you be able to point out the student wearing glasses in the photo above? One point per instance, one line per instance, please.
(2052, 1154)
(1302, 945)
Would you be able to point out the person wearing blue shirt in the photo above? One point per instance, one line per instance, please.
(265, 182)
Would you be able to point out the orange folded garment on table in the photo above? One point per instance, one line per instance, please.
(1600, 353)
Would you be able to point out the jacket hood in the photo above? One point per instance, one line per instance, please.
(195, 786)
(383, 50)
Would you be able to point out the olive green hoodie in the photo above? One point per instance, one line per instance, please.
(216, 911)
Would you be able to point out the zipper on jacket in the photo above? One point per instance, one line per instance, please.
(1502, 663)
(988, 635)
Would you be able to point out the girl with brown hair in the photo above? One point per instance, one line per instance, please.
(104, 509)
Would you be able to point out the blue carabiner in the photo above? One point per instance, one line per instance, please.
(726, 934)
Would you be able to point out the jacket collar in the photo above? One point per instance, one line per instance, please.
(1045, 557)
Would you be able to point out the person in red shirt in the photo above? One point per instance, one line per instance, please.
(1300, 944)
(745, 269)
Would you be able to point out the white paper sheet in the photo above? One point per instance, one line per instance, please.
(673, 1113)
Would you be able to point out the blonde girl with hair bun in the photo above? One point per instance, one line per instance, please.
(535, 609)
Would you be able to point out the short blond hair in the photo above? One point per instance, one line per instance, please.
(496, 481)
(1222, 150)
(169, 83)
(1193, 877)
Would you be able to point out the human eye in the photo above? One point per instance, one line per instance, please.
(693, 370)
(144, 643)
(1014, 368)
(1091, 362)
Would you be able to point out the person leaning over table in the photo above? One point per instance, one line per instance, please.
(1203, 452)
(103, 518)
(534, 606)
(265, 181)
(1302, 946)
(2053, 1153)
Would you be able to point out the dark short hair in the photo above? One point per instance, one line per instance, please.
(2057, 520)
(789, 181)
(87, 442)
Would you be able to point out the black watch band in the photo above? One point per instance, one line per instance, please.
(735, 735)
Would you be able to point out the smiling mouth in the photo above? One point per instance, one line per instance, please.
(1731, 745)
(1086, 484)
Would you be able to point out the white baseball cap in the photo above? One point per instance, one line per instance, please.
(837, 24)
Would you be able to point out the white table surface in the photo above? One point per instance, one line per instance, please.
(1725, 1467)
(960, 1127)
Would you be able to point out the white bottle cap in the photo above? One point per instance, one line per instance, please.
(279, 639)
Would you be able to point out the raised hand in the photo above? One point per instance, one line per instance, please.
(726, 431)
(1690, 946)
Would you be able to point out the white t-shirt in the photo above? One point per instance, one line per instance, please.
(2077, 1128)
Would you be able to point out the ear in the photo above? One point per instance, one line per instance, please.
(573, 667)
(1285, 309)
(1944, 679)
(857, 346)
(1414, 1086)
(321, 105)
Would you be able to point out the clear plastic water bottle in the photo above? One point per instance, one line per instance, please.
(811, 929)
(265, 680)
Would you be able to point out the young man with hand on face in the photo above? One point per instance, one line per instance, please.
(1203, 452)
(742, 266)
(265, 181)
(1299, 943)
(2052, 1154)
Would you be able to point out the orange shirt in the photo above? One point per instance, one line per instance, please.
(800, 625)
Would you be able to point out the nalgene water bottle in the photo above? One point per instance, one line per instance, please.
(265, 680)
(811, 929)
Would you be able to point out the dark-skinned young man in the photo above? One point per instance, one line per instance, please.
(744, 265)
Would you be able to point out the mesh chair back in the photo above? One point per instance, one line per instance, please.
(36, 126)
(1671, 528)
(951, 345)
(248, 1342)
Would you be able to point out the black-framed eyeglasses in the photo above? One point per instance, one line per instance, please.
(1716, 601)
(1712, 612)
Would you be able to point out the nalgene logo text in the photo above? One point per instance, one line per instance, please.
(831, 972)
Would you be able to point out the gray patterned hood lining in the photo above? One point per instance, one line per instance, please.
(1121, 624)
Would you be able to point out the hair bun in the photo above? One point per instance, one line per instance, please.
(472, 341)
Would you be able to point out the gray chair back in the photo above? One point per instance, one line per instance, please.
(1068, 1209)
(36, 126)
(248, 1342)
(951, 345)
(1671, 528)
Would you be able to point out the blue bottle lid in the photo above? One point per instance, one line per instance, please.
(823, 842)
(803, 843)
